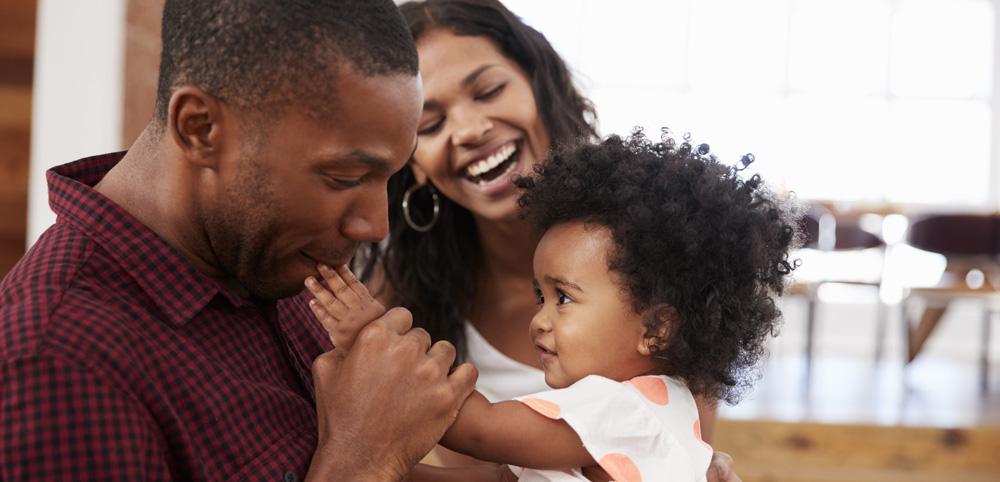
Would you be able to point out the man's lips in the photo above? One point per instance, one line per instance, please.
(332, 262)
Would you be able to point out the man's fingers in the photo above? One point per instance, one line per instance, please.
(327, 363)
(721, 468)
(443, 352)
(423, 338)
(400, 320)
(463, 378)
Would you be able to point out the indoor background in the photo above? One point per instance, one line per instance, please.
(878, 113)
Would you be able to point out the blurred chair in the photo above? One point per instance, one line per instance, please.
(970, 244)
(834, 235)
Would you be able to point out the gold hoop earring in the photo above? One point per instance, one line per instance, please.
(406, 207)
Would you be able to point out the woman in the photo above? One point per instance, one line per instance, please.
(497, 97)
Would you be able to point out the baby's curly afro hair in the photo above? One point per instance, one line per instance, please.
(701, 252)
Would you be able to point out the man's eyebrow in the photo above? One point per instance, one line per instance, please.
(562, 282)
(358, 157)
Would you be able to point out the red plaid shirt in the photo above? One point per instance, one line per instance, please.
(121, 361)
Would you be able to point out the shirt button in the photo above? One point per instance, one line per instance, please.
(290, 476)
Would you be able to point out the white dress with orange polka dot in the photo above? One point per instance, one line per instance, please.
(644, 429)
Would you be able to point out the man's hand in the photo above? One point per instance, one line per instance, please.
(721, 469)
(345, 308)
(383, 405)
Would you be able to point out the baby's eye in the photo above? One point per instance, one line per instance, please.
(564, 298)
(539, 297)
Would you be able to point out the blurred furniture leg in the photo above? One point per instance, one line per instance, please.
(928, 321)
(971, 245)
(827, 233)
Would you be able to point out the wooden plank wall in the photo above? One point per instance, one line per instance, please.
(17, 51)
(142, 65)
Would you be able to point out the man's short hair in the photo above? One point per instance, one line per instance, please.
(263, 55)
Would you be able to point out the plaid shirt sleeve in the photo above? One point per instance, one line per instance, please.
(104, 432)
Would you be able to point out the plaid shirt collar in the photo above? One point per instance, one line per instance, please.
(180, 290)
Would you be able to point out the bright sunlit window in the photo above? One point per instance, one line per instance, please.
(879, 101)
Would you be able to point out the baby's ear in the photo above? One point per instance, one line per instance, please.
(657, 337)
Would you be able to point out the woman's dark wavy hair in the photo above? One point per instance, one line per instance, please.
(700, 252)
(433, 274)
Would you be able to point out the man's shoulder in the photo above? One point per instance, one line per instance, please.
(60, 282)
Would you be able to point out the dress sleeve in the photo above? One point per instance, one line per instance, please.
(61, 422)
(630, 427)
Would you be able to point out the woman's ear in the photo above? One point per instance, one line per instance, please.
(658, 334)
(418, 173)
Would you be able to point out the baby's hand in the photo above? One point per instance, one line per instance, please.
(345, 308)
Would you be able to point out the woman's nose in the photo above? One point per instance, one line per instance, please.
(470, 126)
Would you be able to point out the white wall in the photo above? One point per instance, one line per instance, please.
(78, 91)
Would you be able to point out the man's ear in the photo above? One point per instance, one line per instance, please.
(194, 118)
(418, 173)
(657, 336)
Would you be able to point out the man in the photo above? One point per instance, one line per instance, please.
(141, 337)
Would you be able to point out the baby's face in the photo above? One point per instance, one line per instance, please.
(584, 325)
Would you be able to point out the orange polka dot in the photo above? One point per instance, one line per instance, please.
(697, 434)
(620, 468)
(543, 407)
(653, 388)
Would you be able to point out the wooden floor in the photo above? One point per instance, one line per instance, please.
(861, 418)
(807, 452)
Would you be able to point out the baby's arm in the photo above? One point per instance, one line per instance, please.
(345, 308)
(468, 473)
(511, 432)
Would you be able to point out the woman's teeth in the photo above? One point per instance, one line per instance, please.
(480, 172)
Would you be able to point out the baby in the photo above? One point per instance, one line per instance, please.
(655, 276)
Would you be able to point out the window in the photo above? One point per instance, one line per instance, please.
(888, 102)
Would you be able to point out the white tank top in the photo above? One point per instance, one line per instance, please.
(500, 377)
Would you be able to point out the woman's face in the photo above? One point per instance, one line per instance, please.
(480, 125)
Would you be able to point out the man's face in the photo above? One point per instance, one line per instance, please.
(305, 192)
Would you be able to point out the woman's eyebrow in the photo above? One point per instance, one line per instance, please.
(468, 80)
(475, 74)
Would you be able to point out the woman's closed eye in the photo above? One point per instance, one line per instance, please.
(492, 92)
(431, 128)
